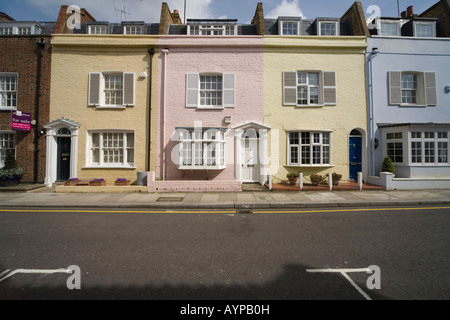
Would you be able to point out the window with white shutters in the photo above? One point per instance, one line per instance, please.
(309, 88)
(210, 90)
(111, 90)
(412, 88)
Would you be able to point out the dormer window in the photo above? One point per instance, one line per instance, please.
(328, 28)
(132, 29)
(6, 30)
(289, 26)
(425, 29)
(19, 28)
(389, 28)
(97, 29)
(212, 28)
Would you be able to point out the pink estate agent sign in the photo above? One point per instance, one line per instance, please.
(20, 121)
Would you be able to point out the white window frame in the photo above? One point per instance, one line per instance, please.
(336, 28)
(24, 30)
(8, 141)
(426, 88)
(294, 22)
(132, 29)
(102, 90)
(389, 22)
(218, 91)
(126, 150)
(212, 29)
(319, 143)
(308, 87)
(112, 92)
(425, 23)
(397, 141)
(228, 93)
(423, 137)
(97, 29)
(414, 91)
(6, 30)
(19, 28)
(16, 91)
(196, 147)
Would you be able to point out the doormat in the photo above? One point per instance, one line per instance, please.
(170, 199)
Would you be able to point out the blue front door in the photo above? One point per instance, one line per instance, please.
(355, 144)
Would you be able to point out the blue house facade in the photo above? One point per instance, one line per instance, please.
(408, 68)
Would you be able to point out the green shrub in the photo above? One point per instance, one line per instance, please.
(388, 166)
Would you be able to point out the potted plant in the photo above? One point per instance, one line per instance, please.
(71, 182)
(97, 182)
(122, 182)
(388, 166)
(10, 175)
(293, 178)
(336, 177)
(316, 179)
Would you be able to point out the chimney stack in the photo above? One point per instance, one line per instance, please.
(410, 11)
(403, 15)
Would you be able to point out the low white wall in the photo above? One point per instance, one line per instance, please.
(388, 181)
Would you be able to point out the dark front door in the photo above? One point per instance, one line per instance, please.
(63, 165)
(355, 157)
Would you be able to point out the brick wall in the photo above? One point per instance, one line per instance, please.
(19, 54)
(61, 23)
(440, 10)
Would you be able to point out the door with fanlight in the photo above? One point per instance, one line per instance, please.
(249, 156)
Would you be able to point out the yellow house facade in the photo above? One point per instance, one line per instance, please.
(315, 103)
(101, 115)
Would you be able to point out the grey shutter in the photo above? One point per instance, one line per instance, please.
(329, 88)
(128, 88)
(395, 87)
(228, 90)
(94, 89)
(192, 90)
(430, 89)
(290, 88)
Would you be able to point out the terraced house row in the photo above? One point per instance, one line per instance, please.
(209, 104)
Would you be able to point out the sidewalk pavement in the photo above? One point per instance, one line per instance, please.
(38, 196)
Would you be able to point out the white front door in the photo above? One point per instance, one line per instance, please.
(249, 160)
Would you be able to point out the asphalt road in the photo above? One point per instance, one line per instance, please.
(284, 255)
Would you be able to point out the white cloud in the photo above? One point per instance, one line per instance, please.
(137, 10)
(286, 8)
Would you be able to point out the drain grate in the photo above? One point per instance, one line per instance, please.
(170, 199)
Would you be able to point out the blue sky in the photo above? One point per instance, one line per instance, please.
(243, 10)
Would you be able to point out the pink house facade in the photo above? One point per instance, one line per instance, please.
(211, 135)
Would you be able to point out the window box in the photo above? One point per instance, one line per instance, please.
(71, 182)
(120, 182)
(97, 182)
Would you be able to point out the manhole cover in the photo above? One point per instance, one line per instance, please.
(169, 199)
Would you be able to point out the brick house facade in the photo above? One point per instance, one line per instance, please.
(19, 55)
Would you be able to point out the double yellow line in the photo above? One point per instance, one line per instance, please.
(255, 211)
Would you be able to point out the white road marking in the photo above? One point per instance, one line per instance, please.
(344, 273)
(38, 271)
